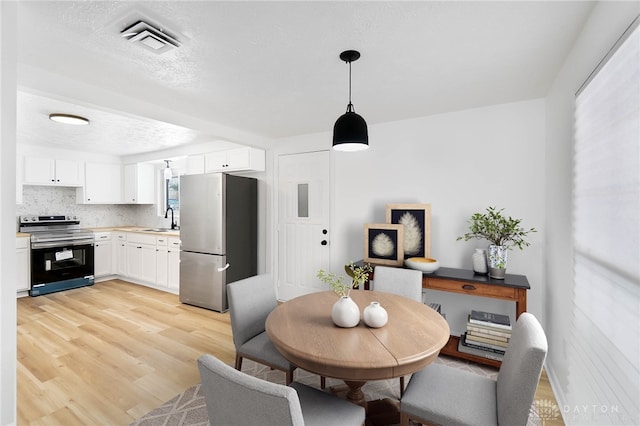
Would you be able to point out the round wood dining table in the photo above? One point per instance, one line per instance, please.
(302, 330)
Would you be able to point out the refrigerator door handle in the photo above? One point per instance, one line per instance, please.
(224, 268)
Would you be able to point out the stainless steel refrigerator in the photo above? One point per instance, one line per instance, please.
(218, 230)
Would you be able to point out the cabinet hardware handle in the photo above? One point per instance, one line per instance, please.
(468, 287)
(323, 242)
(224, 268)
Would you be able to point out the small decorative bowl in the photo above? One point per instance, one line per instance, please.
(424, 264)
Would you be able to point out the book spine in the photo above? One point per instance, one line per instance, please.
(495, 343)
(488, 330)
(473, 332)
(482, 348)
(490, 324)
(478, 352)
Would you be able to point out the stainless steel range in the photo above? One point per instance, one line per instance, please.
(62, 254)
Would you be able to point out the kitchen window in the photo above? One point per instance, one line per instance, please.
(172, 194)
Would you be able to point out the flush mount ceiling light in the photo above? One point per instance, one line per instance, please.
(168, 173)
(76, 120)
(350, 130)
(150, 37)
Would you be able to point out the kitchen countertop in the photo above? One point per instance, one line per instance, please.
(140, 229)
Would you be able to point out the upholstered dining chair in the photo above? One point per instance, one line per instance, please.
(449, 396)
(235, 398)
(251, 300)
(400, 281)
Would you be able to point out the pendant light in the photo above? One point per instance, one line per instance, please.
(350, 130)
(75, 120)
(168, 174)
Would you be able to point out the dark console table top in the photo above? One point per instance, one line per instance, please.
(510, 280)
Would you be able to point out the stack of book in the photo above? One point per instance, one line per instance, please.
(487, 335)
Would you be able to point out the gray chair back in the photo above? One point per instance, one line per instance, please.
(400, 281)
(251, 300)
(520, 371)
(235, 398)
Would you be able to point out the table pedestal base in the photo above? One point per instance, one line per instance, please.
(355, 394)
(380, 412)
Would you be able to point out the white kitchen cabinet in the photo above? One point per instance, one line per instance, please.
(23, 264)
(47, 171)
(240, 159)
(120, 253)
(139, 184)
(103, 254)
(161, 261)
(195, 165)
(173, 264)
(102, 184)
(141, 257)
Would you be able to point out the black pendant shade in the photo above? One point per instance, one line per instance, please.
(350, 131)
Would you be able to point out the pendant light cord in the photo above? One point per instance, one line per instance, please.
(350, 105)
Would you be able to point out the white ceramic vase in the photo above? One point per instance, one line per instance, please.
(345, 313)
(375, 316)
(479, 259)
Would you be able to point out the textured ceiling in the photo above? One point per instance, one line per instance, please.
(271, 68)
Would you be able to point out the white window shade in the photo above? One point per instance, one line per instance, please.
(604, 346)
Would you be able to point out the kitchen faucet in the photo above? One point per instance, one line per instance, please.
(166, 213)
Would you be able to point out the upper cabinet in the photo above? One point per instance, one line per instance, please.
(47, 171)
(195, 165)
(241, 159)
(103, 184)
(139, 184)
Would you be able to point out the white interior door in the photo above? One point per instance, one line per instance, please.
(304, 209)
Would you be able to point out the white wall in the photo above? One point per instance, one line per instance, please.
(606, 23)
(460, 163)
(8, 78)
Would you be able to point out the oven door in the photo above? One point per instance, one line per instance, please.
(58, 261)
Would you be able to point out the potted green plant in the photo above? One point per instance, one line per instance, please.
(502, 232)
(345, 312)
(358, 274)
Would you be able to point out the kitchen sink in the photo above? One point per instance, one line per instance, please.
(158, 230)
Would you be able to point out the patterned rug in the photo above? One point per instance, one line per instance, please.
(188, 408)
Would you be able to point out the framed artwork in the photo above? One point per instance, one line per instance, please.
(383, 244)
(416, 220)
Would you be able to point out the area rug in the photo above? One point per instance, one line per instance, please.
(188, 408)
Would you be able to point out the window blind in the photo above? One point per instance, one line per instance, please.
(603, 349)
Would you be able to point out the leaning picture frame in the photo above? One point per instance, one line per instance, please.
(416, 219)
(383, 244)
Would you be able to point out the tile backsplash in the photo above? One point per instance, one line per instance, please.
(47, 200)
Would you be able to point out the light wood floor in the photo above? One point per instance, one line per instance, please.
(110, 353)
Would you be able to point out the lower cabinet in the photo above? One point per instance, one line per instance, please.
(142, 258)
(103, 254)
(168, 263)
(23, 264)
(173, 264)
(161, 261)
(120, 253)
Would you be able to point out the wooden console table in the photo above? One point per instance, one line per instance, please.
(464, 281)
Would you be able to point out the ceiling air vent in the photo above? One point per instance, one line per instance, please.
(151, 38)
